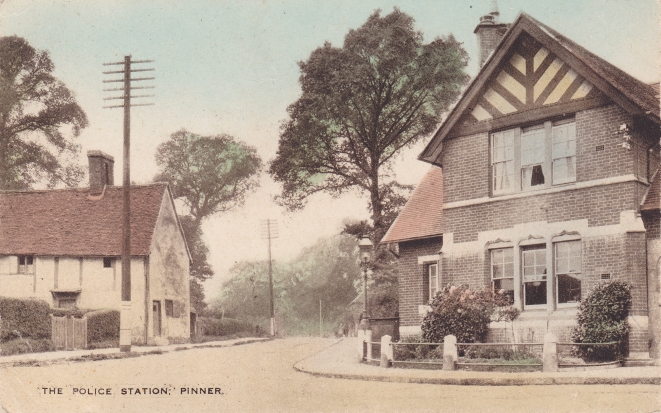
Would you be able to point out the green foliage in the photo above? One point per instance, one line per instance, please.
(225, 326)
(26, 345)
(24, 318)
(326, 271)
(382, 91)
(413, 350)
(200, 270)
(210, 174)
(465, 314)
(39, 120)
(602, 318)
(102, 325)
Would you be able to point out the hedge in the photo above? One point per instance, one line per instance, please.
(102, 325)
(24, 318)
(224, 326)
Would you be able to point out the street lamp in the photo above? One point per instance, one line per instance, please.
(365, 246)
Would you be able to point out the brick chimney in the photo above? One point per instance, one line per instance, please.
(102, 171)
(489, 32)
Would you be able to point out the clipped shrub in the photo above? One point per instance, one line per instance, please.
(102, 325)
(225, 326)
(465, 314)
(24, 318)
(602, 318)
(26, 345)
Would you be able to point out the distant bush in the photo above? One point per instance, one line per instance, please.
(602, 318)
(28, 345)
(102, 325)
(24, 318)
(225, 326)
(466, 314)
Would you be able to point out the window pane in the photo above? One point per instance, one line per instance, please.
(532, 175)
(21, 260)
(535, 293)
(506, 285)
(569, 289)
(564, 170)
(503, 174)
(533, 147)
(29, 260)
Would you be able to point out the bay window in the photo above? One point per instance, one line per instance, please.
(502, 271)
(568, 272)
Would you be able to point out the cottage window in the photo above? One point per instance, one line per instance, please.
(502, 271)
(533, 157)
(533, 262)
(568, 272)
(169, 308)
(26, 264)
(432, 274)
(107, 262)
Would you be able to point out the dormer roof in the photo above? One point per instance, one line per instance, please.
(535, 73)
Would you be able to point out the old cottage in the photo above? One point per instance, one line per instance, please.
(64, 247)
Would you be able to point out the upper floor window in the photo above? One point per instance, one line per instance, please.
(26, 264)
(533, 158)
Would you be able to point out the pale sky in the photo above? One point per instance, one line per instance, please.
(231, 67)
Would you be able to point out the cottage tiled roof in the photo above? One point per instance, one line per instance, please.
(70, 222)
(422, 215)
(652, 200)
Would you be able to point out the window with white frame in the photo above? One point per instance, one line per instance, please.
(568, 257)
(532, 158)
(432, 274)
(564, 153)
(26, 264)
(502, 271)
(533, 265)
(502, 168)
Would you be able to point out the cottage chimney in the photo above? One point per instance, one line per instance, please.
(489, 32)
(102, 171)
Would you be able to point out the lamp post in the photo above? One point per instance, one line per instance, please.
(365, 246)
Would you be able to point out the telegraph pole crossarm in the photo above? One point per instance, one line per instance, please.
(125, 315)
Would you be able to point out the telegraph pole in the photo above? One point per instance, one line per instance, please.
(125, 315)
(270, 231)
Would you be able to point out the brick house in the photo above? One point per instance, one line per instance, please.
(540, 186)
(64, 247)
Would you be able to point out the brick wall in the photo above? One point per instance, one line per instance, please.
(465, 163)
(599, 205)
(411, 278)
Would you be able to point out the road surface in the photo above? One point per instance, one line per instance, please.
(259, 377)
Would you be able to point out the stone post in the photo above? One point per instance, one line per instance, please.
(360, 341)
(386, 351)
(550, 353)
(368, 339)
(450, 355)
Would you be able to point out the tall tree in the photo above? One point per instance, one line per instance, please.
(210, 174)
(384, 90)
(39, 119)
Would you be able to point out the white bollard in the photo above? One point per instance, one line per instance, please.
(360, 340)
(368, 339)
(386, 351)
(550, 353)
(450, 355)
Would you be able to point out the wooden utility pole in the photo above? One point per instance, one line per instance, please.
(125, 315)
(270, 231)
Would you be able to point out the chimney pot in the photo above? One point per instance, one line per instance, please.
(101, 171)
(489, 33)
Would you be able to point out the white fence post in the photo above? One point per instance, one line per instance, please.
(550, 353)
(450, 355)
(386, 351)
(368, 339)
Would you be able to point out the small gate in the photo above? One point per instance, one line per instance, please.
(69, 333)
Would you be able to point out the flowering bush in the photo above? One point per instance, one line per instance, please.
(466, 314)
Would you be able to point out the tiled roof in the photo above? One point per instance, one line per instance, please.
(421, 216)
(652, 200)
(69, 222)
